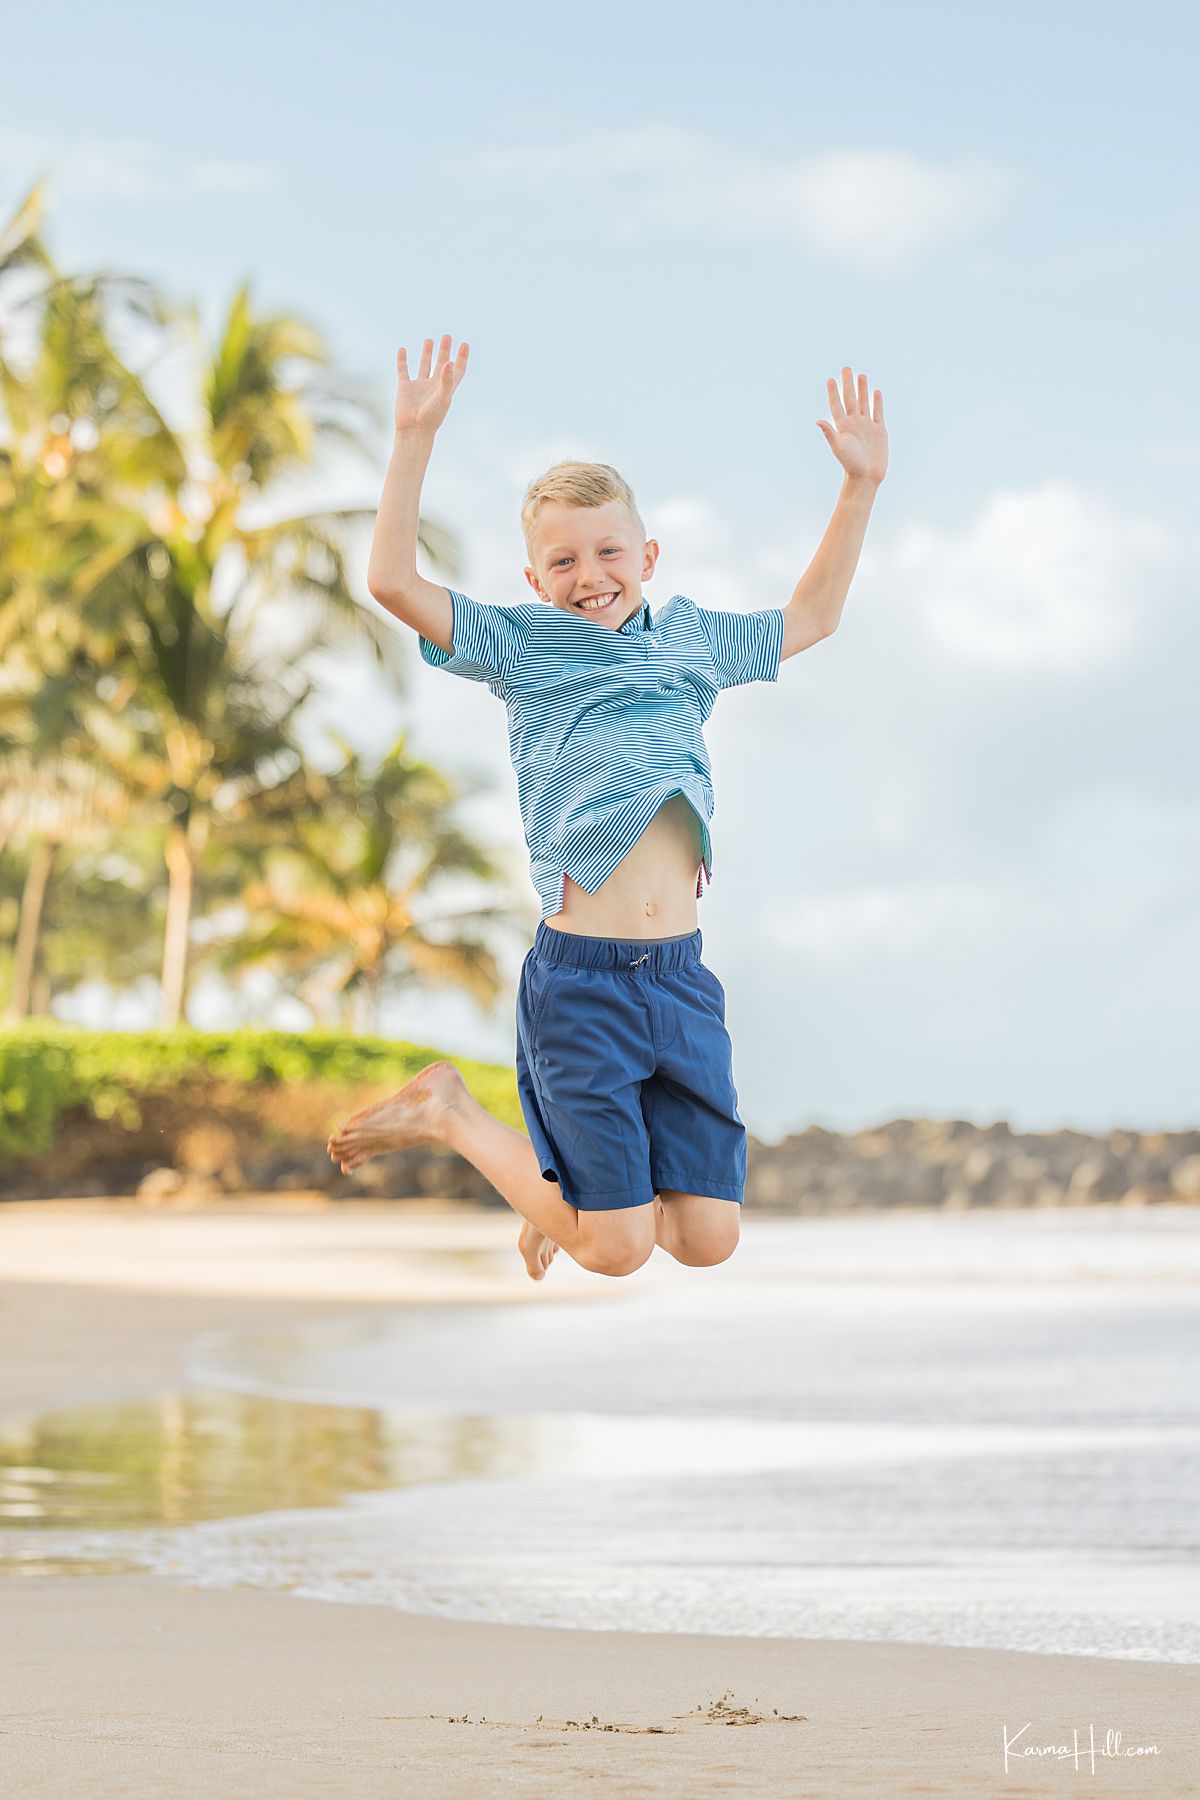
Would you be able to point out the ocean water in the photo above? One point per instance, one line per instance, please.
(963, 1429)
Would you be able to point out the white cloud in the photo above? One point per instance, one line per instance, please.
(216, 176)
(904, 916)
(122, 168)
(1045, 581)
(1177, 455)
(1067, 263)
(876, 212)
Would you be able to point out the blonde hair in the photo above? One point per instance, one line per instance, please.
(575, 484)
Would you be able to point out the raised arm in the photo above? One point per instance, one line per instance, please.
(860, 444)
(422, 402)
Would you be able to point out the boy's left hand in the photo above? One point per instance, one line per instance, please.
(859, 441)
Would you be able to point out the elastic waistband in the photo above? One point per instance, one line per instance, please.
(578, 952)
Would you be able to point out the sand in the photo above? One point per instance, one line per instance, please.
(137, 1685)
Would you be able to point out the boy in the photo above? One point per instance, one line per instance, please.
(623, 1061)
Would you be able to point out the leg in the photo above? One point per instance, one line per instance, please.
(436, 1107)
(698, 1156)
(608, 1243)
(696, 1228)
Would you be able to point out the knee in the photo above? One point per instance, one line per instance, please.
(713, 1247)
(613, 1259)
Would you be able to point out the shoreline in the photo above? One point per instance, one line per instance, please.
(126, 1684)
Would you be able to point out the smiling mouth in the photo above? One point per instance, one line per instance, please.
(597, 602)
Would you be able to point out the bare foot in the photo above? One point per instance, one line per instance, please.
(538, 1250)
(416, 1114)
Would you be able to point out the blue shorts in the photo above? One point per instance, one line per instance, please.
(625, 1070)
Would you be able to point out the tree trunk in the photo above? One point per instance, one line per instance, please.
(371, 991)
(29, 926)
(181, 882)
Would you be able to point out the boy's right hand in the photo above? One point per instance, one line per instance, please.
(423, 400)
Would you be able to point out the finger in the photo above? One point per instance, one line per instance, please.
(402, 364)
(864, 397)
(835, 399)
(426, 358)
(458, 367)
(848, 387)
(443, 350)
(878, 406)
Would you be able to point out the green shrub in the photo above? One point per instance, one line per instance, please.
(47, 1067)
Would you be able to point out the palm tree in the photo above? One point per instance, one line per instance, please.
(76, 422)
(354, 904)
(198, 702)
(102, 921)
(49, 799)
(137, 572)
(21, 245)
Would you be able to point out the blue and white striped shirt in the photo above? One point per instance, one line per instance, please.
(605, 725)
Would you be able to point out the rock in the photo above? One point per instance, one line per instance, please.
(159, 1187)
(1184, 1178)
(177, 1189)
(1151, 1195)
(208, 1150)
(1097, 1178)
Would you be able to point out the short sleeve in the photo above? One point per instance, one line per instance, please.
(487, 641)
(743, 646)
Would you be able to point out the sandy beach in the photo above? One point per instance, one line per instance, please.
(136, 1684)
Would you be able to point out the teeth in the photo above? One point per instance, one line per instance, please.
(595, 600)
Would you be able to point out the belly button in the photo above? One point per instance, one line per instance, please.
(651, 909)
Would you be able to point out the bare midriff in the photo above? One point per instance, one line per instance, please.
(652, 891)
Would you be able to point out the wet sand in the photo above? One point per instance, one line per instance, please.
(136, 1685)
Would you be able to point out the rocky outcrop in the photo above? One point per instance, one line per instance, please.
(219, 1143)
(952, 1164)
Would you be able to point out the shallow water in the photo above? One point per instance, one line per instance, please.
(962, 1429)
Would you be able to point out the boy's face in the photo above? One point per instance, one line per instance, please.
(584, 552)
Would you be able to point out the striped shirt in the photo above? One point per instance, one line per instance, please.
(605, 725)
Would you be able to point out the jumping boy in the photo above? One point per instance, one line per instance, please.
(624, 1065)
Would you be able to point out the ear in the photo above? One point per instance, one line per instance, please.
(532, 579)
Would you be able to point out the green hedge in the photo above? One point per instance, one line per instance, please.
(48, 1067)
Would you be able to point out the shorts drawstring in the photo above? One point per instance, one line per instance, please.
(620, 955)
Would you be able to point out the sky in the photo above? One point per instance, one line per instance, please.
(957, 845)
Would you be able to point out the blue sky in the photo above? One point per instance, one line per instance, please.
(957, 846)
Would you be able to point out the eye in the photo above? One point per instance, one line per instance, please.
(612, 550)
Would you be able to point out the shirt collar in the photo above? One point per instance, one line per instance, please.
(637, 621)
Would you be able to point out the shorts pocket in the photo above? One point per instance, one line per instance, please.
(541, 976)
(710, 989)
